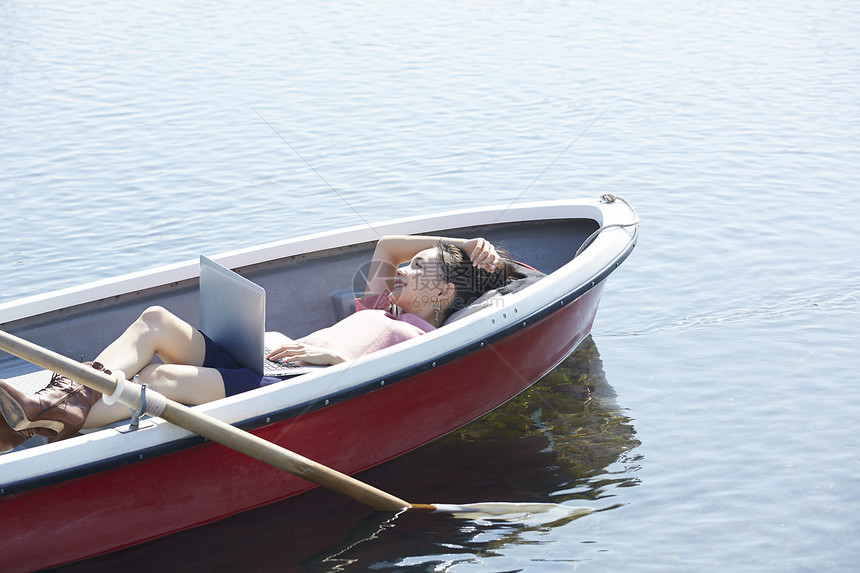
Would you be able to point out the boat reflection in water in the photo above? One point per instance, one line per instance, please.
(564, 440)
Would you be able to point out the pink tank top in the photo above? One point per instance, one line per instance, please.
(371, 328)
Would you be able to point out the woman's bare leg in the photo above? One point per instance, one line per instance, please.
(186, 384)
(156, 332)
(182, 378)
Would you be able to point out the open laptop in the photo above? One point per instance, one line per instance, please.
(233, 314)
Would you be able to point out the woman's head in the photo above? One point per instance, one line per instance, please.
(441, 280)
(469, 282)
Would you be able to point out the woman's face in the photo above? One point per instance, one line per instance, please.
(418, 283)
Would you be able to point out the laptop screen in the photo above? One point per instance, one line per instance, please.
(233, 313)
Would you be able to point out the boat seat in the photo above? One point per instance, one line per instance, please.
(343, 303)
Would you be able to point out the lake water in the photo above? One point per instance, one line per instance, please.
(712, 419)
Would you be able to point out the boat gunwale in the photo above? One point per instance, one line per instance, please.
(43, 303)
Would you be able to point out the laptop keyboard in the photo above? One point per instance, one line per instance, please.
(276, 366)
(272, 366)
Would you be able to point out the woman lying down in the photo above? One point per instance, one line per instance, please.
(443, 275)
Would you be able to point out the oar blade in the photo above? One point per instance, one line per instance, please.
(519, 512)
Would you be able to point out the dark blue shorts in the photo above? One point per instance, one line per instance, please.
(237, 378)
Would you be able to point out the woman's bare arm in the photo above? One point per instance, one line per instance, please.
(393, 250)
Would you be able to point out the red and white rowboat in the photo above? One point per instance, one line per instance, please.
(113, 488)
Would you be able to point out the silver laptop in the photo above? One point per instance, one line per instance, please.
(233, 314)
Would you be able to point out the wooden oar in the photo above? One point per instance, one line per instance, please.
(258, 448)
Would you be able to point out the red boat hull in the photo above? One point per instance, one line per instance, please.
(119, 507)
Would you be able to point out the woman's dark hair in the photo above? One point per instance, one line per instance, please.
(470, 282)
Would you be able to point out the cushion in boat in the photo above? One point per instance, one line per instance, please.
(523, 276)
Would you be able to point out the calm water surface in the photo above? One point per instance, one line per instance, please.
(711, 419)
